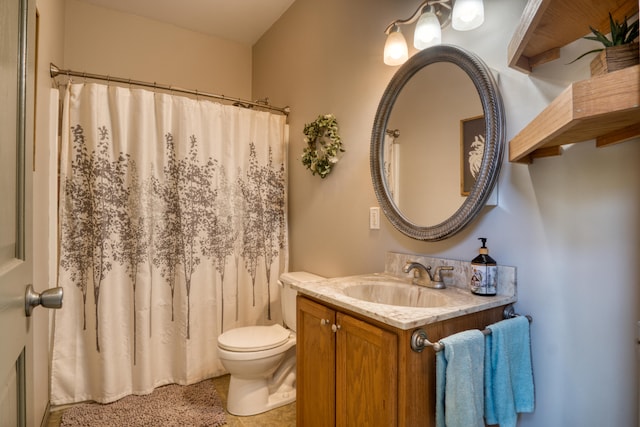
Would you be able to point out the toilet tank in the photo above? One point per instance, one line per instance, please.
(288, 294)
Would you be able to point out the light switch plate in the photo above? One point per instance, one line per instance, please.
(374, 218)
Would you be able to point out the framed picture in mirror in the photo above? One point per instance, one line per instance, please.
(472, 142)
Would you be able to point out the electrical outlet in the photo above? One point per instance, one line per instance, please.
(374, 218)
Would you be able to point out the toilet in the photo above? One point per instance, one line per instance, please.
(261, 360)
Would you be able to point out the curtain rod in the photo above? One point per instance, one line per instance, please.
(54, 71)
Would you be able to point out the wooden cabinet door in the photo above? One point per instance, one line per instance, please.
(316, 365)
(366, 374)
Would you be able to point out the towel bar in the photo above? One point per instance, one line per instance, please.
(419, 340)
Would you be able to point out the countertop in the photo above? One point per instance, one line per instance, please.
(460, 300)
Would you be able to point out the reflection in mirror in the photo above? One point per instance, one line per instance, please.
(437, 142)
(429, 113)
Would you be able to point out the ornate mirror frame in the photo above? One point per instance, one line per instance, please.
(493, 108)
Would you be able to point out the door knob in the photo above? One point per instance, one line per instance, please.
(50, 298)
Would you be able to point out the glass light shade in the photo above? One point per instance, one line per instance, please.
(428, 31)
(395, 49)
(467, 14)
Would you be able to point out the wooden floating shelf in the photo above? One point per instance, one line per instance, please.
(605, 108)
(548, 25)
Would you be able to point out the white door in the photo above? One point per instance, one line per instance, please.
(16, 140)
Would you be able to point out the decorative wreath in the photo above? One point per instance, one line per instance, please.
(323, 145)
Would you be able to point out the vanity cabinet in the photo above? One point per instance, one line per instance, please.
(346, 369)
(356, 371)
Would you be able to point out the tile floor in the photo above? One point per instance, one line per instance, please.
(285, 416)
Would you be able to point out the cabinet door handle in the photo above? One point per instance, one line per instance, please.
(335, 328)
(324, 322)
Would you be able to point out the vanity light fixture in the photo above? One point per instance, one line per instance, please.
(467, 15)
(432, 16)
(428, 31)
(395, 48)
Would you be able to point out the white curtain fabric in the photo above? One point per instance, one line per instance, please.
(173, 224)
(391, 159)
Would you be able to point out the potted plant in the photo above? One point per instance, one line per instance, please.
(619, 52)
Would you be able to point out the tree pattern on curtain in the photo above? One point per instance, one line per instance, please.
(95, 216)
(111, 216)
(263, 221)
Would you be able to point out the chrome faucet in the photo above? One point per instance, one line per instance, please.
(422, 275)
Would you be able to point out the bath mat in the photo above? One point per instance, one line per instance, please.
(172, 405)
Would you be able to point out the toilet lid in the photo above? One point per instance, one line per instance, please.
(253, 338)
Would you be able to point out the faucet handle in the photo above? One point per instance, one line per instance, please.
(436, 275)
(416, 267)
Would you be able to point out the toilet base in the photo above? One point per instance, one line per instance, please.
(251, 397)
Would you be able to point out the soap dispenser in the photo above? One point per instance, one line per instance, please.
(484, 272)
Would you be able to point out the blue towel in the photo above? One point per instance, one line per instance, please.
(508, 372)
(459, 376)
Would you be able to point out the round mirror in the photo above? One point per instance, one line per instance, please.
(437, 142)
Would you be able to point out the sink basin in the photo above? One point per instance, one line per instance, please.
(397, 294)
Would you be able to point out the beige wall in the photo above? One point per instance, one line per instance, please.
(50, 42)
(570, 224)
(103, 41)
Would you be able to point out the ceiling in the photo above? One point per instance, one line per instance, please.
(242, 21)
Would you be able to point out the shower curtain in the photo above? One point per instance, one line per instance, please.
(172, 229)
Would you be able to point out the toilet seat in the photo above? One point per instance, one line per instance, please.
(253, 338)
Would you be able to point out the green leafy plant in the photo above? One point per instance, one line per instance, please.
(621, 33)
(320, 155)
